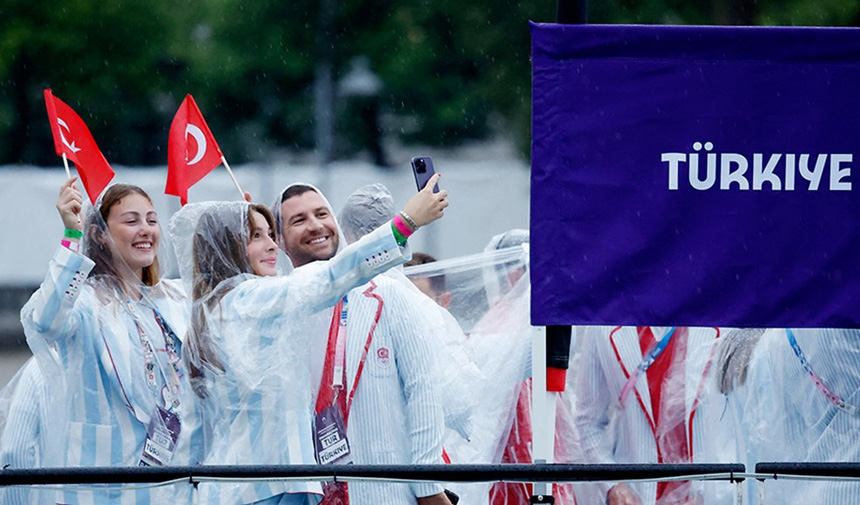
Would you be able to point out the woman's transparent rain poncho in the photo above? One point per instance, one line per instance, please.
(91, 352)
(252, 343)
(247, 352)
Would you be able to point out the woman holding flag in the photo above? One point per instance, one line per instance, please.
(106, 331)
(248, 349)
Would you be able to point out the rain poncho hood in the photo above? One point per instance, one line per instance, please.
(365, 209)
(496, 282)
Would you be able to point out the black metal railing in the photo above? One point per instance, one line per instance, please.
(733, 472)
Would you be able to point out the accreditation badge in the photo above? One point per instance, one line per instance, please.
(330, 439)
(161, 436)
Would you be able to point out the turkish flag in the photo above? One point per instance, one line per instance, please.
(191, 150)
(73, 138)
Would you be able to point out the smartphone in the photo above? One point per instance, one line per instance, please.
(422, 167)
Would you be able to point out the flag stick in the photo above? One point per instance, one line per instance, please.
(66, 164)
(69, 176)
(227, 166)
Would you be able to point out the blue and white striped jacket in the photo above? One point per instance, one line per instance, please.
(397, 416)
(87, 343)
(22, 442)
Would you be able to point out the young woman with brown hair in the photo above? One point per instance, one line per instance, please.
(106, 332)
(248, 348)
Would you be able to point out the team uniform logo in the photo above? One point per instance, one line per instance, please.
(383, 356)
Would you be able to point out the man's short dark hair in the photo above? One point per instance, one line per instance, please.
(437, 282)
(419, 258)
(296, 190)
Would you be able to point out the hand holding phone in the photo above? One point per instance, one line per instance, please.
(425, 206)
(422, 167)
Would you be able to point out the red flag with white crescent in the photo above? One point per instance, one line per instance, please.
(73, 138)
(191, 150)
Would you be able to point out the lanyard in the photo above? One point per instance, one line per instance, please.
(334, 370)
(339, 375)
(170, 344)
(171, 391)
(643, 366)
(701, 387)
(832, 397)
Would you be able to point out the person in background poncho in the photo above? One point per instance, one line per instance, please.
(796, 395)
(645, 394)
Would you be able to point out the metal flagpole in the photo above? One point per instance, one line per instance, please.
(550, 345)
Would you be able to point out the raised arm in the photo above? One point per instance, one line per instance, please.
(321, 284)
(383, 248)
(47, 313)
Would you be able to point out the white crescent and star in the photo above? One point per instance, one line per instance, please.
(197, 133)
(71, 146)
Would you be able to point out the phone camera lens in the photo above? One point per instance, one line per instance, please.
(421, 166)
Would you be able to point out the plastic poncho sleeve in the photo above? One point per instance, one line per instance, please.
(362, 260)
(48, 310)
(323, 283)
(456, 373)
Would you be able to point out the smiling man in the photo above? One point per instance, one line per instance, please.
(308, 229)
(396, 416)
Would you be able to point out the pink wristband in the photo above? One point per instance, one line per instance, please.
(401, 226)
(72, 246)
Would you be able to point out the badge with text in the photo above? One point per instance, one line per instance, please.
(161, 436)
(330, 437)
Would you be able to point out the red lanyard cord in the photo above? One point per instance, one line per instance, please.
(328, 393)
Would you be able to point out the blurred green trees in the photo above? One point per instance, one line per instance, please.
(452, 70)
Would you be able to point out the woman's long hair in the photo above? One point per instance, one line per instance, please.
(97, 245)
(219, 250)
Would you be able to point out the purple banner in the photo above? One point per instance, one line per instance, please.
(700, 176)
